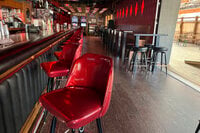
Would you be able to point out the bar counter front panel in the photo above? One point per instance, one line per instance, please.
(21, 88)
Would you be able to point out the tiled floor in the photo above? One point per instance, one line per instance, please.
(143, 102)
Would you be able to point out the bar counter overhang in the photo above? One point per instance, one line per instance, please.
(21, 79)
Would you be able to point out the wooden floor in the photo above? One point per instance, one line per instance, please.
(143, 102)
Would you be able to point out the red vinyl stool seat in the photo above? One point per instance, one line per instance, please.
(77, 106)
(56, 68)
(87, 94)
(58, 53)
(70, 41)
(62, 66)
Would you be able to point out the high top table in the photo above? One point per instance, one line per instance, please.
(137, 38)
(152, 35)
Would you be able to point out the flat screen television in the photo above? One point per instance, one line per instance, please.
(83, 25)
(74, 19)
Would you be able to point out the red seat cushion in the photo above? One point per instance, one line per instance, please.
(77, 106)
(62, 46)
(58, 54)
(56, 68)
(71, 42)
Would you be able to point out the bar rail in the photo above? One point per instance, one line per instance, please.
(23, 81)
(14, 56)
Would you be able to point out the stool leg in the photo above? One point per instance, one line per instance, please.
(145, 60)
(154, 60)
(58, 82)
(73, 131)
(48, 84)
(198, 128)
(129, 68)
(161, 61)
(53, 125)
(99, 125)
(135, 62)
(132, 61)
(142, 60)
(165, 63)
(52, 84)
(151, 62)
(126, 55)
(81, 130)
(45, 115)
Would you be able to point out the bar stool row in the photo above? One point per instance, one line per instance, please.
(84, 98)
(122, 43)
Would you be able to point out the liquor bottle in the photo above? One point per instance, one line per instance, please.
(1, 28)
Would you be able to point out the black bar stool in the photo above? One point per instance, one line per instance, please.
(129, 43)
(149, 52)
(134, 59)
(156, 51)
(128, 49)
(198, 128)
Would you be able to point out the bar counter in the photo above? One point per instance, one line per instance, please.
(23, 45)
(21, 39)
(22, 81)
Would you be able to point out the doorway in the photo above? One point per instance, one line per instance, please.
(185, 55)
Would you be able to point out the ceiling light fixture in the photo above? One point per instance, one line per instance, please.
(71, 9)
(95, 10)
(79, 9)
(64, 9)
(87, 9)
(103, 10)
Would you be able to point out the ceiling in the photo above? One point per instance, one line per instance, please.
(87, 2)
(80, 6)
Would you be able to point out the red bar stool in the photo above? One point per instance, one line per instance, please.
(74, 39)
(86, 96)
(59, 54)
(61, 67)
